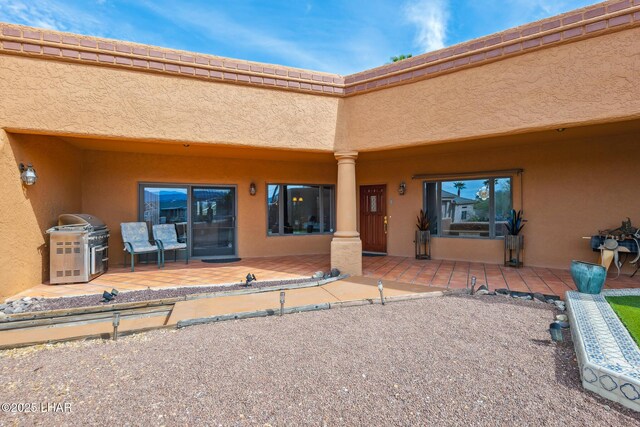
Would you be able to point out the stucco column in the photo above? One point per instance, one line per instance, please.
(346, 247)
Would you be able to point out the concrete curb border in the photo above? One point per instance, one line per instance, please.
(314, 307)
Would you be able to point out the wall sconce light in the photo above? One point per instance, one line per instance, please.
(28, 174)
(402, 188)
(252, 189)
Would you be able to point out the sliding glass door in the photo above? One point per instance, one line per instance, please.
(213, 221)
(204, 216)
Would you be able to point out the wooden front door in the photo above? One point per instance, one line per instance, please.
(373, 218)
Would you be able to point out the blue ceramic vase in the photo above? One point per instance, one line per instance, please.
(589, 278)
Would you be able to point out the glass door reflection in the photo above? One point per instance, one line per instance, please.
(164, 204)
(213, 221)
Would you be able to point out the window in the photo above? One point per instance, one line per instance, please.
(474, 208)
(300, 209)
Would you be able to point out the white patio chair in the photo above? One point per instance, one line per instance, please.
(135, 236)
(166, 237)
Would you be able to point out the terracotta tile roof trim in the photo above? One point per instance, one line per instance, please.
(22, 40)
(576, 25)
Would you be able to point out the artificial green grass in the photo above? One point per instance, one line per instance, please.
(628, 310)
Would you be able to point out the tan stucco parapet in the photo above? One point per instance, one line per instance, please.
(587, 22)
(591, 21)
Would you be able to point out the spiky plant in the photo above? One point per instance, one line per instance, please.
(515, 223)
(423, 221)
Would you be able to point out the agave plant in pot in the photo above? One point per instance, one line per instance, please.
(423, 236)
(513, 240)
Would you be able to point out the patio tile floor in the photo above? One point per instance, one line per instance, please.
(196, 273)
(458, 274)
(437, 273)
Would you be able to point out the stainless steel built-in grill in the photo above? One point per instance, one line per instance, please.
(79, 249)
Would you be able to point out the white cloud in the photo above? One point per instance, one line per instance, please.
(430, 18)
(49, 14)
(524, 11)
(548, 7)
(85, 18)
(219, 27)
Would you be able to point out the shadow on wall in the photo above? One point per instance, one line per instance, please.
(28, 211)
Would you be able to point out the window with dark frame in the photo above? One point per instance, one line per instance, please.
(300, 209)
(469, 208)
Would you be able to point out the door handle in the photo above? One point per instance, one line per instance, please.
(386, 224)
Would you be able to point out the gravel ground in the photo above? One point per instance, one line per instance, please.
(440, 361)
(150, 294)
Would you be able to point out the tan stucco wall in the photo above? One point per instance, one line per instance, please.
(569, 189)
(27, 212)
(590, 81)
(110, 191)
(55, 97)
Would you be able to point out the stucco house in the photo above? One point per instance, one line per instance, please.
(255, 159)
(456, 207)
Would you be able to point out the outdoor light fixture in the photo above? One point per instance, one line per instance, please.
(107, 296)
(561, 129)
(281, 303)
(381, 289)
(252, 189)
(28, 174)
(116, 323)
(250, 278)
(402, 188)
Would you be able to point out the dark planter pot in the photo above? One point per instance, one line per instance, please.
(513, 248)
(588, 277)
(423, 244)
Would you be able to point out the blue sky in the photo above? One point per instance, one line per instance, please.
(335, 36)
